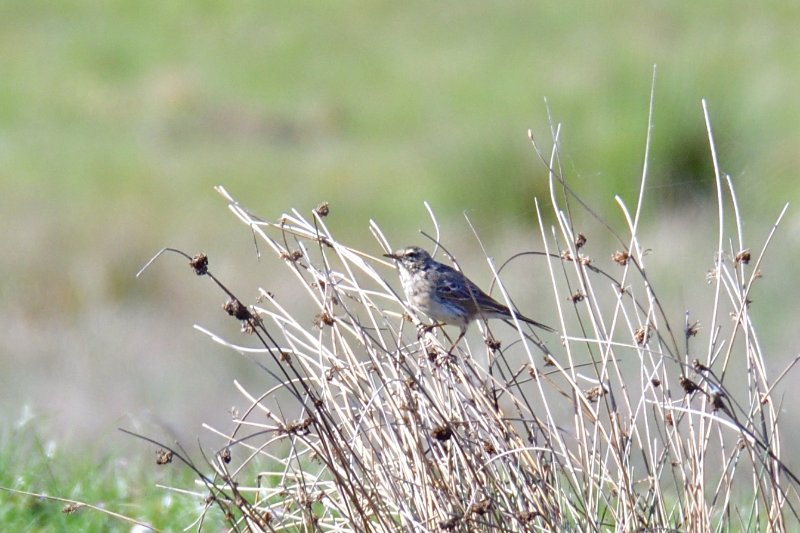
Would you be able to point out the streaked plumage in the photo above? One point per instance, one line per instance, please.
(446, 295)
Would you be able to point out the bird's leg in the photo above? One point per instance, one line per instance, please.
(458, 339)
(427, 328)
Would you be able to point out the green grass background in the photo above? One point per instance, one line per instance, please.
(117, 118)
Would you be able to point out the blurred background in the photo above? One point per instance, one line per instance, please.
(117, 119)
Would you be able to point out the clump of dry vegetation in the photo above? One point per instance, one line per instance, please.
(622, 421)
(368, 420)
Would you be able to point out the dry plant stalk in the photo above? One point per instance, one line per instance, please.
(392, 430)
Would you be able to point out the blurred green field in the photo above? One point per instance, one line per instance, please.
(117, 118)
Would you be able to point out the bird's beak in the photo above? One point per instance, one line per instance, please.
(392, 256)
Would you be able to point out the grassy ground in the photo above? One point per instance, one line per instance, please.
(117, 119)
(118, 483)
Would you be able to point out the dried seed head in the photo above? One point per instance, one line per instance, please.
(225, 455)
(489, 448)
(323, 209)
(163, 457)
(621, 258)
(742, 257)
(432, 353)
(481, 507)
(237, 309)
(493, 344)
(442, 433)
(594, 393)
(689, 386)
(292, 256)
(641, 335)
(716, 402)
(692, 329)
(576, 296)
(323, 319)
(199, 264)
(298, 427)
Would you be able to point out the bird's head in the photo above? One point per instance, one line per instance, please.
(411, 258)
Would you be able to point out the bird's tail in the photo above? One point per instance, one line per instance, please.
(535, 323)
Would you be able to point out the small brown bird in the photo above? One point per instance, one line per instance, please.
(446, 295)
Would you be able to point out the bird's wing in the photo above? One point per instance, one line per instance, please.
(452, 285)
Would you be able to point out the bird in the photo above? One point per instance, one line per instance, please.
(445, 295)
